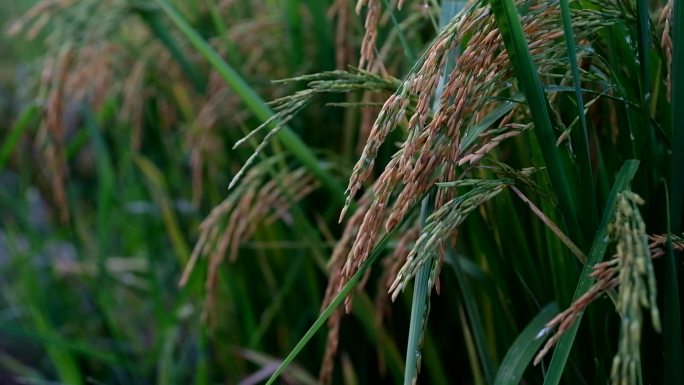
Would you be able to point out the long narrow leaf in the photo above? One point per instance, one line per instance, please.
(256, 105)
(598, 249)
(341, 295)
(15, 132)
(62, 359)
(646, 95)
(408, 51)
(528, 79)
(420, 309)
(420, 304)
(476, 324)
(587, 190)
(524, 347)
(160, 31)
(159, 191)
(323, 30)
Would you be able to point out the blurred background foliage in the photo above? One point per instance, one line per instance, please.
(116, 142)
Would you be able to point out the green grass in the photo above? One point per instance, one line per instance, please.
(133, 110)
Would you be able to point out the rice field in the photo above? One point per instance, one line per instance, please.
(441, 192)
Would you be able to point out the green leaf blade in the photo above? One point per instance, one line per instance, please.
(598, 249)
(523, 349)
(253, 101)
(530, 83)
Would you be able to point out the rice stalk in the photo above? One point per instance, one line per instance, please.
(420, 302)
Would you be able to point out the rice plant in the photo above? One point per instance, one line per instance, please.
(512, 213)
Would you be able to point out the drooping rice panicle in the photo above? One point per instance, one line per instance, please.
(631, 271)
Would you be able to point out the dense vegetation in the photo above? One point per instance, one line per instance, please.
(514, 175)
